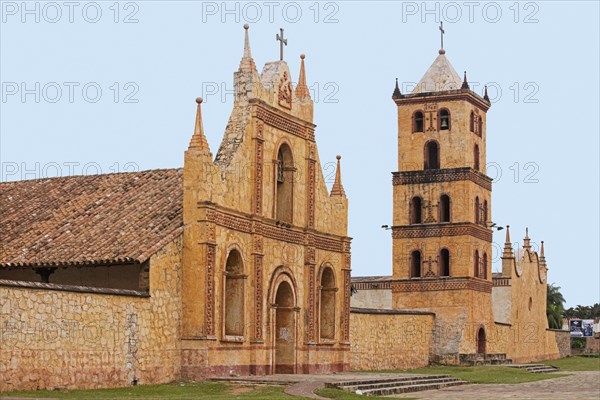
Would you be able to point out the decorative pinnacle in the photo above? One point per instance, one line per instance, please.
(198, 140)
(302, 89)
(526, 240)
(485, 95)
(508, 251)
(396, 94)
(465, 84)
(337, 189)
(542, 251)
(247, 63)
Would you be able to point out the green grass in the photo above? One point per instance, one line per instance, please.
(576, 363)
(183, 391)
(485, 374)
(343, 395)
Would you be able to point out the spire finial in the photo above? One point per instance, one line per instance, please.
(302, 89)
(465, 84)
(442, 31)
(542, 250)
(247, 63)
(198, 140)
(526, 240)
(508, 252)
(485, 94)
(337, 189)
(396, 94)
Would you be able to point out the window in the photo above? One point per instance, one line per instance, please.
(476, 157)
(285, 184)
(416, 210)
(472, 122)
(480, 126)
(432, 155)
(444, 118)
(485, 212)
(418, 121)
(476, 264)
(327, 304)
(234, 295)
(444, 208)
(477, 209)
(415, 264)
(444, 262)
(484, 269)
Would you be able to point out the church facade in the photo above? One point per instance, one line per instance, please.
(235, 265)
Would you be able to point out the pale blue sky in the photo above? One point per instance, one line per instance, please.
(540, 59)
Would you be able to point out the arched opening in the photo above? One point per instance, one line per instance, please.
(476, 264)
(444, 262)
(285, 329)
(285, 184)
(472, 122)
(481, 341)
(444, 208)
(432, 155)
(418, 121)
(480, 126)
(476, 157)
(327, 305)
(234, 295)
(415, 264)
(485, 212)
(477, 209)
(444, 118)
(416, 210)
(484, 266)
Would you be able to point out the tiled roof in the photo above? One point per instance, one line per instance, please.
(371, 278)
(113, 218)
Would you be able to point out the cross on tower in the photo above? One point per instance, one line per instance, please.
(442, 31)
(282, 42)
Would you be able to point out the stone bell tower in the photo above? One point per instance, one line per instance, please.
(441, 230)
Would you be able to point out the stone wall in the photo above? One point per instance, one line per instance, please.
(389, 339)
(372, 298)
(58, 336)
(563, 341)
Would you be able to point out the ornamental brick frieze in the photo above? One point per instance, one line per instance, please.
(442, 284)
(271, 231)
(424, 231)
(442, 175)
(258, 170)
(209, 311)
(310, 184)
(285, 124)
(258, 297)
(346, 311)
(312, 326)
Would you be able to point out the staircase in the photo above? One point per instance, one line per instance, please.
(397, 385)
(484, 359)
(536, 368)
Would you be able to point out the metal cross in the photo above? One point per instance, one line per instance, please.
(442, 31)
(282, 42)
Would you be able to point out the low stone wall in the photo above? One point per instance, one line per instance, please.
(59, 336)
(389, 339)
(563, 341)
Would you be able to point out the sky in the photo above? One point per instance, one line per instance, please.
(106, 86)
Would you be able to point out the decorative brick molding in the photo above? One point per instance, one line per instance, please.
(284, 124)
(442, 175)
(310, 184)
(209, 317)
(446, 95)
(439, 230)
(73, 288)
(346, 311)
(441, 284)
(372, 285)
(258, 170)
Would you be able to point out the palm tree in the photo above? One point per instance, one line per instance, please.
(554, 306)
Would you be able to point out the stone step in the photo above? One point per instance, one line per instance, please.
(341, 384)
(409, 388)
(384, 385)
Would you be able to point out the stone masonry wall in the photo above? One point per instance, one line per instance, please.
(59, 339)
(384, 339)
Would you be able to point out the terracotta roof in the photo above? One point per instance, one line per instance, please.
(113, 218)
(371, 278)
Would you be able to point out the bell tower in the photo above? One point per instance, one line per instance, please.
(441, 231)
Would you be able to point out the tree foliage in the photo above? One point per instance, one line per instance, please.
(554, 306)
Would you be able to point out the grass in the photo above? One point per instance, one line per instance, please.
(485, 374)
(343, 395)
(576, 363)
(179, 391)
